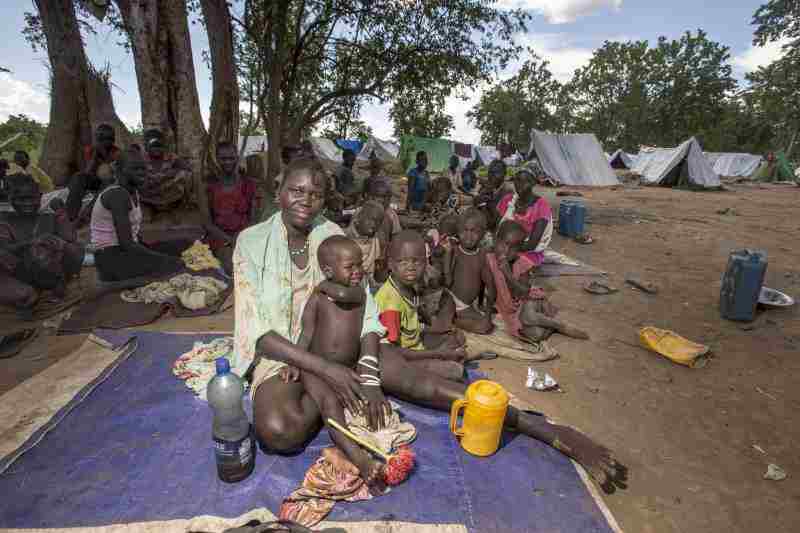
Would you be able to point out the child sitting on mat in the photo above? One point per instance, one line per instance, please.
(525, 310)
(399, 301)
(466, 275)
(332, 328)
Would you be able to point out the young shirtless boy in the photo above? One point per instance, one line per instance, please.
(332, 330)
(466, 274)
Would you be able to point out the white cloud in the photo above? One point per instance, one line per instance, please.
(18, 96)
(759, 56)
(562, 11)
(564, 57)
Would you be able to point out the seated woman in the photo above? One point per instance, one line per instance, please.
(275, 271)
(533, 213)
(116, 226)
(231, 200)
(37, 251)
(169, 178)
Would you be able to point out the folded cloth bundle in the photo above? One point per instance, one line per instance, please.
(199, 257)
(324, 484)
(197, 366)
(193, 292)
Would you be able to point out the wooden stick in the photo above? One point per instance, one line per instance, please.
(347, 433)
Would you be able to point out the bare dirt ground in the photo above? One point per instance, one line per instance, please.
(689, 436)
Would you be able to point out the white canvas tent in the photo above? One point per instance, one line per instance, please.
(665, 166)
(620, 159)
(576, 159)
(326, 149)
(487, 154)
(739, 165)
(384, 150)
(255, 143)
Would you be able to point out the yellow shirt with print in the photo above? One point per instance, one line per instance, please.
(389, 298)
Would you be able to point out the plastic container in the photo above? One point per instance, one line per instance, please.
(234, 446)
(571, 216)
(485, 409)
(741, 284)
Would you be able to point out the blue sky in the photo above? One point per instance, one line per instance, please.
(563, 31)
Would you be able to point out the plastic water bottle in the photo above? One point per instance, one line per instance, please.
(234, 446)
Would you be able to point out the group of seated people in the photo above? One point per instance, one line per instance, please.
(39, 248)
(323, 328)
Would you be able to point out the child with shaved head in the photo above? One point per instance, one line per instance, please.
(333, 329)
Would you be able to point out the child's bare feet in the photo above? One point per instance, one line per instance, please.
(371, 471)
(339, 461)
(598, 460)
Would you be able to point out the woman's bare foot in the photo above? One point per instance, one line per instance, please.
(340, 462)
(598, 460)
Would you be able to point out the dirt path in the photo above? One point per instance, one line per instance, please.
(687, 435)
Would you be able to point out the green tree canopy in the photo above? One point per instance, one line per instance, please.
(33, 133)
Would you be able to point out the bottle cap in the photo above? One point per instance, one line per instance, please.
(223, 366)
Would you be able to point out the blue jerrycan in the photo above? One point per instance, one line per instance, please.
(571, 215)
(741, 284)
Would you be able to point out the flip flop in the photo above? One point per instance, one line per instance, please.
(649, 288)
(11, 345)
(584, 239)
(597, 287)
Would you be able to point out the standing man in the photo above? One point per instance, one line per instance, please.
(418, 181)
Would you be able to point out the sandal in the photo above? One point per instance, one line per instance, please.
(598, 287)
(584, 239)
(649, 288)
(11, 345)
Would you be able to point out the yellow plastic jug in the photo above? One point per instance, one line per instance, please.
(485, 409)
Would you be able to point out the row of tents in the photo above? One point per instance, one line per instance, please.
(574, 159)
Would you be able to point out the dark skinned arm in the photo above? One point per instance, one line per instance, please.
(518, 288)
(377, 406)
(344, 381)
(488, 282)
(118, 202)
(533, 239)
(448, 262)
(342, 294)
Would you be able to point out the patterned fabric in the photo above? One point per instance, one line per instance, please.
(167, 182)
(198, 366)
(103, 230)
(193, 292)
(199, 257)
(540, 210)
(394, 308)
(38, 175)
(263, 288)
(324, 485)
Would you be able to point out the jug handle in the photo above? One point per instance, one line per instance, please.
(458, 405)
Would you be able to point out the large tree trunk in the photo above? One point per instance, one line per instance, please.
(162, 52)
(224, 120)
(80, 99)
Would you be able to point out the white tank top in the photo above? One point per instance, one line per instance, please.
(103, 231)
